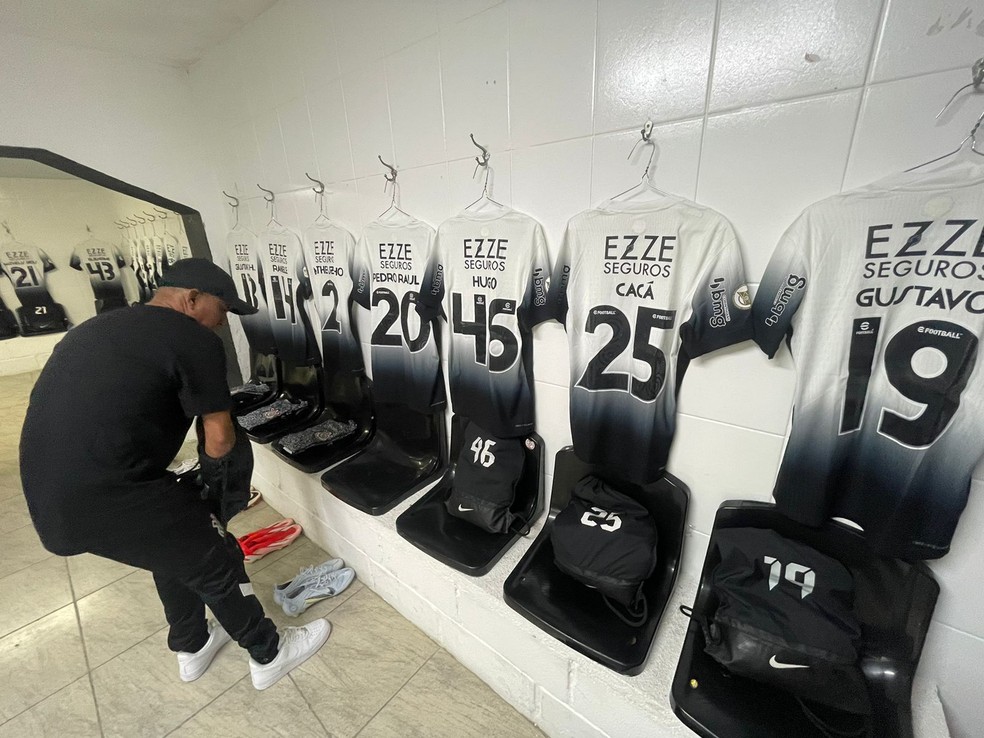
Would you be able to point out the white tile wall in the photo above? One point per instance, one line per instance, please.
(557, 90)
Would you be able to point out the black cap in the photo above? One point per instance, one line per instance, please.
(203, 275)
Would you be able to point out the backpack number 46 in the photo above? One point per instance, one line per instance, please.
(483, 452)
(802, 576)
(612, 521)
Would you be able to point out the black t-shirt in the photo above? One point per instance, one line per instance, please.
(108, 414)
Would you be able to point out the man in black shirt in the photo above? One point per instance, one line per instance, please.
(107, 415)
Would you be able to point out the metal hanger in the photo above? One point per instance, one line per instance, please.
(972, 137)
(390, 182)
(646, 185)
(977, 79)
(235, 208)
(319, 195)
(271, 200)
(482, 162)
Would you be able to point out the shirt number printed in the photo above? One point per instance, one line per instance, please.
(25, 276)
(612, 522)
(102, 269)
(596, 378)
(331, 322)
(485, 330)
(249, 290)
(939, 394)
(282, 290)
(483, 452)
(398, 309)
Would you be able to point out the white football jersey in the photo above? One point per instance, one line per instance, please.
(489, 273)
(642, 288)
(404, 348)
(879, 295)
(103, 263)
(243, 249)
(25, 266)
(329, 251)
(286, 285)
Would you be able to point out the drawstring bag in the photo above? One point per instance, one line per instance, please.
(607, 541)
(782, 614)
(485, 479)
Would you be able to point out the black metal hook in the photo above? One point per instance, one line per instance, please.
(320, 189)
(268, 192)
(392, 175)
(484, 159)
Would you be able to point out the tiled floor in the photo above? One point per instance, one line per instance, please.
(83, 649)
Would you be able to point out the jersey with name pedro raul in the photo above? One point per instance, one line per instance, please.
(404, 348)
(642, 288)
(287, 287)
(25, 267)
(879, 294)
(329, 251)
(489, 274)
(103, 263)
(243, 249)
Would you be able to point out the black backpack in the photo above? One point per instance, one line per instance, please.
(485, 479)
(783, 615)
(607, 541)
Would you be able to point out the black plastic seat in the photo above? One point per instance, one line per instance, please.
(408, 451)
(456, 542)
(577, 615)
(266, 369)
(894, 602)
(297, 383)
(47, 318)
(347, 398)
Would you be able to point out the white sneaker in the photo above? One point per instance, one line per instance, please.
(193, 665)
(296, 646)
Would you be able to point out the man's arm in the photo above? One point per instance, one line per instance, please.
(226, 458)
(220, 435)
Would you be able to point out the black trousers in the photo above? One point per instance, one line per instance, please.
(196, 563)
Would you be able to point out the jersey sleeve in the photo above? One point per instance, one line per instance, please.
(781, 290)
(559, 279)
(201, 373)
(76, 262)
(721, 308)
(46, 261)
(431, 295)
(535, 306)
(362, 275)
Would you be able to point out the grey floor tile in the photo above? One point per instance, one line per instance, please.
(90, 572)
(445, 700)
(139, 692)
(38, 660)
(68, 713)
(120, 615)
(21, 548)
(356, 673)
(32, 593)
(13, 513)
(244, 712)
(368, 612)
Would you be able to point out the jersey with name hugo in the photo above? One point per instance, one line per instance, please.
(243, 250)
(286, 285)
(642, 288)
(878, 292)
(489, 272)
(329, 251)
(404, 348)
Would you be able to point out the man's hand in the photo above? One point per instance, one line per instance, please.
(226, 458)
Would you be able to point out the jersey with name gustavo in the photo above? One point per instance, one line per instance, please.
(880, 294)
(103, 263)
(404, 348)
(286, 284)
(243, 250)
(25, 267)
(489, 273)
(329, 251)
(642, 288)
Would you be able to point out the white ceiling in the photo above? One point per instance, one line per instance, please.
(172, 32)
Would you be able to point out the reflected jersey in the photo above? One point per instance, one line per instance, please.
(243, 250)
(878, 292)
(404, 348)
(286, 286)
(25, 266)
(103, 264)
(489, 274)
(642, 288)
(328, 251)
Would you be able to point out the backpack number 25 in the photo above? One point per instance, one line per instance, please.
(612, 521)
(483, 452)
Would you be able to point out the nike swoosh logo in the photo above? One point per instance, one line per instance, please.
(465, 509)
(779, 665)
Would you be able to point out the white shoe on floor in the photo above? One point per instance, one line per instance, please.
(193, 665)
(296, 646)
